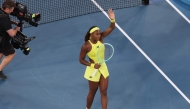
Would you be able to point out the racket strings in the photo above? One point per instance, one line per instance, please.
(105, 52)
(108, 51)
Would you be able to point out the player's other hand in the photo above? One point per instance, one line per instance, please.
(97, 66)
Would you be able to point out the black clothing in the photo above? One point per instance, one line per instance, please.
(5, 25)
(7, 51)
(146, 2)
(2, 75)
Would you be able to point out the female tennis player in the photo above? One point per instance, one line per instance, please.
(93, 39)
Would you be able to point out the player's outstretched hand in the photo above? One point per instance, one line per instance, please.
(111, 14)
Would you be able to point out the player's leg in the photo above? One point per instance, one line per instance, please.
(103, 91)
(93, 86)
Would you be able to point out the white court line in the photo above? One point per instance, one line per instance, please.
(163, 74)
(178, 11)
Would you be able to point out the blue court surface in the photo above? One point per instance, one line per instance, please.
(51, 77)
(182, 7)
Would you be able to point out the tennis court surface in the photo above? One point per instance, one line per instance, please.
(51, 77)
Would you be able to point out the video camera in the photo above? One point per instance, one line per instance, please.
(21, 12)
(20, 40)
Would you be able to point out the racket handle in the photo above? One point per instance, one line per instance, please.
(94, 73)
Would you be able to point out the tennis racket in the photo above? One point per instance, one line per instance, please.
(104, 53)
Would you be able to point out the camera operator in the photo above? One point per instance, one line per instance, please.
(6, 33)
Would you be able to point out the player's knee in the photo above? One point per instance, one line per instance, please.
(103, 92)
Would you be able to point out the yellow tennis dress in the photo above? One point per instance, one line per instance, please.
(103, 70)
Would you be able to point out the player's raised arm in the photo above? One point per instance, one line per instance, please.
(112, 23)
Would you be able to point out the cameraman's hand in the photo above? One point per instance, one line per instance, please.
(13, 22)
(17, 28)
(13, 32)
(16, 23)
(20, 24)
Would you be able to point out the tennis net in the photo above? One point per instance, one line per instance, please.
(53, 10)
